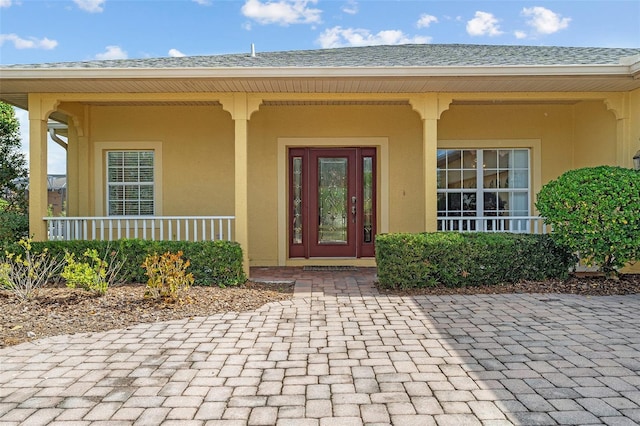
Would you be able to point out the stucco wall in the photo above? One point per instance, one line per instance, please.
(551, 124)
(595, 135)
(197, 152)
(399, 124)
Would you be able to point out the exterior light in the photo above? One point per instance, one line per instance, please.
(636, 160)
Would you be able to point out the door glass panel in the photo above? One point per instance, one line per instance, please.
(297, 200)
(332, 200)
(367, 205)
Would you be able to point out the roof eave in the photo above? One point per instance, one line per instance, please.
(324, 72)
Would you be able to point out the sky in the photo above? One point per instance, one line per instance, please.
(39, 31)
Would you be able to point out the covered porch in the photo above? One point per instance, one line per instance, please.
(244, 183)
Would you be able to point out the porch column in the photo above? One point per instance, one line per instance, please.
(633, 126)
(427, 107)
(625, 107)
(38, 114)
(241, 106)
(242, 189)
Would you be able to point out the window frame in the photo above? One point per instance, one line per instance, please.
(534, 166)
(124, 184)
(100, 172)
(480, 190)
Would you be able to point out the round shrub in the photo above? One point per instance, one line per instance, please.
(595, 212)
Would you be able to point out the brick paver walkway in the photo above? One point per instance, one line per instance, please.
(339, 353)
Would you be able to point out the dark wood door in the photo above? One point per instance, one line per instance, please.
(332, 202)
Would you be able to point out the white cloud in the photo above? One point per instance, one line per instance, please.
(520, 34)
(91, 6)
(340, 37)
(5, 3)
(23, 118)
(282, 12)
(483, 23)
(175, 53)
(30, 43)
(203, 2)
(545, 21)
(351, 7)
(112, 52)
(426, 20)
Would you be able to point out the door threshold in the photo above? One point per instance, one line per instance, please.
(363, 262)
(329, 268)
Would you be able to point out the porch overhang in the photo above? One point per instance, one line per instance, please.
(18, 82)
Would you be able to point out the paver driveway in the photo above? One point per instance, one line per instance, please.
(340, 353)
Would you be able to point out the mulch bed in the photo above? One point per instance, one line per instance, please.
(59, 310)
(583, 284)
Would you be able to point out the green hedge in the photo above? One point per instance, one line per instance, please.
(458, 259)
(212, 262)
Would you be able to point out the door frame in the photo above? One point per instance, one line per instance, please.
(357, 244)
(382, 166)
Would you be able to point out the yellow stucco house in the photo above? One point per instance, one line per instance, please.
(304, 156)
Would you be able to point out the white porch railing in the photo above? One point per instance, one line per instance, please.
(176, 228)
(517, 224)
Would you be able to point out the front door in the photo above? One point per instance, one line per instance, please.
(332, 202)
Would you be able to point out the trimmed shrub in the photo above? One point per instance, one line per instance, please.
(468, 259)
(212, 262)
(595, 212)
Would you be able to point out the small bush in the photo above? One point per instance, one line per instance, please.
(467, 259)
(14, 225)
(94, 275)
(212, 262)
(24, 273)
(168, 277)
(4, 275)
(596, 213)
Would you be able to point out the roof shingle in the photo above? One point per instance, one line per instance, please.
(410, 55)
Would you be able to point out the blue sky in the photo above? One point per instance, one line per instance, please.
(36, 31)
(33, 31)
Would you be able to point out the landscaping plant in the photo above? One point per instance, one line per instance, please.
(455, 259)
(168, 277)
(211, 262)
(596, 213)
(94, 275)
(14, 221)
(24, 273)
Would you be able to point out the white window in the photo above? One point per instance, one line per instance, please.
(130, 183)
(483, 183)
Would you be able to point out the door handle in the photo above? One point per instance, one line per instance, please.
(354, 209)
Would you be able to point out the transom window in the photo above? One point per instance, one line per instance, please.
(130, 183)
(483, 183)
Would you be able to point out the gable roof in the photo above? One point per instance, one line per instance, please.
(415, 68)
(410, 55)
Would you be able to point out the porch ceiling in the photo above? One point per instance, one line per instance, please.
(15, 89)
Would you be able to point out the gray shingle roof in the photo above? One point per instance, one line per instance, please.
(420, 55)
